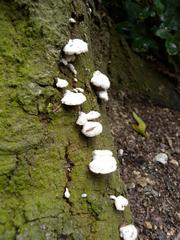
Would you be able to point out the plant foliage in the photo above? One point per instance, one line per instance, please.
(150, 25)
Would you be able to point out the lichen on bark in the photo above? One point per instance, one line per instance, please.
(38, 136)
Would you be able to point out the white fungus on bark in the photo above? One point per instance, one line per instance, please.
(72, 68)
(67, 193)
(100, 80)
(120, 202)
(73, 99)
(103, 162)
(103, 95)
(61, 83)
(93, 115)
(72, 20)
(84, 195)
(92, 129)
(84, 117)
(75, 46)
(129, 232)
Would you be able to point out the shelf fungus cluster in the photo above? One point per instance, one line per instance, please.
(71, 49)
(103, 161)
(89, 128)
(101, 84)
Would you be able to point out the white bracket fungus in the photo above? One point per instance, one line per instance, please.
(92, 129)
(100, 80)
(75, 46)
(67, 193)
(72, 68)
(72, 20)
(84, 195)
(128, 232)
(103, 162)
(61, 83)
(84, 117)
(103, 95)
(120, 202)
(73, 99)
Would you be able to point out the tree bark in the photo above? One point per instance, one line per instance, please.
(41, 149)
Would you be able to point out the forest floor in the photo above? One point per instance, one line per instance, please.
(152, 187)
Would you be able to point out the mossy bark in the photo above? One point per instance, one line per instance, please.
(41, 149)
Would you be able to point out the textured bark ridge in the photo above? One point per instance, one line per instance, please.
(41, 148)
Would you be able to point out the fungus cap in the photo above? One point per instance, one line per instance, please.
(93, 115)
(61, 83)
(75, 46)
(82, 119)
(102, 153)
(120, 202)
(103, 164)
(67, 193)
(129, 232)
(103, 95)
(92, 129)
(73, 99)
(100, 80)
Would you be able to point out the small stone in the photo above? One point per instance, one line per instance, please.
(162, 158)
(148, 225)
(142, 181)
(177, 237)
(177, 215)
(121, 152)
(174, 162)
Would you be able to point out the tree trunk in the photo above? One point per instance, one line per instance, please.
(41, 149)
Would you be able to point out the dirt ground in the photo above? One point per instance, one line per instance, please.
(153, 188)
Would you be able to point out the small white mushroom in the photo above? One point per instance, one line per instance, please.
(80, 89)
(75, 80)
(120, 202)
(61, 83)
(82, 119)
(75, 46)
(72, 20)
(100, 80)
(129, 232)
(102, 153)
(103, 95)
(92, 129)
(72, 68)
(67, 193)
(64, 61)
(93, 115)
(73, 99)
(101, 163)
(84, 195)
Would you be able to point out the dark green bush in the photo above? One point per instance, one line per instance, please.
(149, 25)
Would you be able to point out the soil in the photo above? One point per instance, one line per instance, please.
(153, 187)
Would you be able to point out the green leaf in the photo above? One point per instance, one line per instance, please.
(171, 47)
(159, 7)
(140, 127)
(143, 44)
(162, 33)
